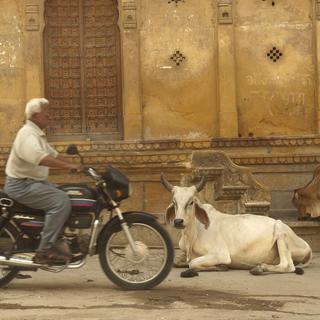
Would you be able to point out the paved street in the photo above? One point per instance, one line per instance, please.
(87, 294)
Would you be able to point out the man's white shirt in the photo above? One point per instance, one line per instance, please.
(29, 148)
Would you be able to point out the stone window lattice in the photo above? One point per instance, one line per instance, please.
(274, 54)
(273, 3)
(175, 1)
(177, 57)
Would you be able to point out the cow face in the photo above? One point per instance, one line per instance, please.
(185, 207)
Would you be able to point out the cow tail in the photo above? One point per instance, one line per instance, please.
(307, 260)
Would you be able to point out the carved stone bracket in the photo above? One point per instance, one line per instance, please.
(32, 17)
(225, 12)
(129, 14)
(233, 184)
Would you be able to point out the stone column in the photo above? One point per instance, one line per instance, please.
(317, 36)
(132, 109)
(33, 49)
(228, 116)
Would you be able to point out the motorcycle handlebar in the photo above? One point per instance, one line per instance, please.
(88, 171)
(92, 173)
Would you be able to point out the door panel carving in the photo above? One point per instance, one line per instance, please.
(82, 68)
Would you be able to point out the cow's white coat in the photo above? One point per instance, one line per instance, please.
(210, 238)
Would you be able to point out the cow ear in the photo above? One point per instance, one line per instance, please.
(201, 215)
(170, 213)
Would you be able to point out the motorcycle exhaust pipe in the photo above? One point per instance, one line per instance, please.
(18, 262)
(24, 263)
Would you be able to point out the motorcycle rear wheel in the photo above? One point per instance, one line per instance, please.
(145, 270)
(8, 241)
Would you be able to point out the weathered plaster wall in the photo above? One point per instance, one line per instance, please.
(12, 77)
(275, 96)
(226, 86)
(178, 100)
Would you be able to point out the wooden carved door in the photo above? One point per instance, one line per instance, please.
(82, 69)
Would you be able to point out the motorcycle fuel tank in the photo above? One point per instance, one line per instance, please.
(82, 197)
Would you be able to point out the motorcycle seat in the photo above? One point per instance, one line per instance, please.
(19, 207)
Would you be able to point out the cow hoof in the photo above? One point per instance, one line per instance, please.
(256, 271)
(299, 271)
(189, 273)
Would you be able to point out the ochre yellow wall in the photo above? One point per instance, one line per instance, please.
(225, 87)
(178, 101)
(12, 69)
(276, 98)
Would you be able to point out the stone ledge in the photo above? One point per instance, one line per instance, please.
(302, 224)
(232, 192)
(178, 144)
(257, 207)
(277, 159)
(274, 141)
(179, 151)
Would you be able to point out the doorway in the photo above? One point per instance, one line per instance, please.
(83, 69)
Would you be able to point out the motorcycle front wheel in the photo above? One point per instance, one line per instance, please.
(144, 269)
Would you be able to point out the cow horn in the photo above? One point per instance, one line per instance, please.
(166, 183)
(201, 184)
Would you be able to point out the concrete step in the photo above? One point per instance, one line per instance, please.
(307, 230)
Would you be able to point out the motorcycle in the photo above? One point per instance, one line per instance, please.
(135, 251)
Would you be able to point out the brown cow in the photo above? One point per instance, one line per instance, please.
(307, 198)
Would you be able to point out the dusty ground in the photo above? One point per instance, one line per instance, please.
(87, 294)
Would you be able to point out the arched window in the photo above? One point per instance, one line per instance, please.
(82, 69)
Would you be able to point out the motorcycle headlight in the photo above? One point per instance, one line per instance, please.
(118, 193)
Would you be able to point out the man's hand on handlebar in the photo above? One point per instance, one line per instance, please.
(76, 167)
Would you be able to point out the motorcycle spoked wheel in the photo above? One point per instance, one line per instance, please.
(145, 270)
(8, 236)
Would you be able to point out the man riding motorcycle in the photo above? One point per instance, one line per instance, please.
(27, 172)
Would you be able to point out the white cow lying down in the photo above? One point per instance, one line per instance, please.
(210, 239)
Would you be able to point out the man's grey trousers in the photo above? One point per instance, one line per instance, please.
(44, 196)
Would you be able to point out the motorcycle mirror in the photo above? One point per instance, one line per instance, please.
(72, 149)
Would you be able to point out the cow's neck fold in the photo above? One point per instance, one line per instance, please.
(191, 233)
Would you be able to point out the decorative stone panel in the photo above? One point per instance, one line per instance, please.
(225, 12)
(129, 15)
(32, 17)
